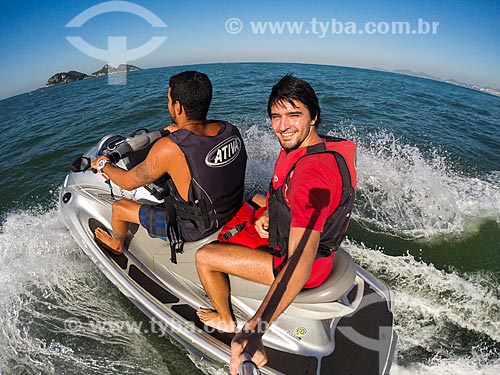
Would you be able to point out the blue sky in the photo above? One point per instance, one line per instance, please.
(33, 43)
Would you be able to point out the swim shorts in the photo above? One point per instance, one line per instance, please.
(154, 219)
(321, 268)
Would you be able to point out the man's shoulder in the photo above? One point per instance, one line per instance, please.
(320, 169)
(165, 147)
(318, 163)
(166, 157)
(165, 141)
(222, 126)
(220, 122)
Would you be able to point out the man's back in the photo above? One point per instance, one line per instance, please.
(214, 192)
(200, 199)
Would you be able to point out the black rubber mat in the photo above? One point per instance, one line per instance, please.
(156, 290)
(351, 358)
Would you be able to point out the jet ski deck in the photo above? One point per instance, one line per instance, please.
(345, 326)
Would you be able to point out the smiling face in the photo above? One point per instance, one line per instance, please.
(293, 125)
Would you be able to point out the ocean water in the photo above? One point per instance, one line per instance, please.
(426, 220)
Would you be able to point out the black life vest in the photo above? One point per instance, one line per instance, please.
(335, 227)
(217, 165)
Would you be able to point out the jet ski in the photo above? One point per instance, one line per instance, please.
(344, 326)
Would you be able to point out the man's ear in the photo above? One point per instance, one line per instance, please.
(178, 108)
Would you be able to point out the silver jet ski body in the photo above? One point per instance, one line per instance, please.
(344, 326)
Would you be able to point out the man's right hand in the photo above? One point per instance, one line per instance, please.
(245, 346)
(99, 163)
(262, 225)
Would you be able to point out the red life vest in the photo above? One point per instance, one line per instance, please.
(335, 227)
(241, 230)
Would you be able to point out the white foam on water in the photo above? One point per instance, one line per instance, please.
(473, 365)
(434, 309)
(57, 311)
(401, 190)
(422, 290)
(262, 149)
(406, 193)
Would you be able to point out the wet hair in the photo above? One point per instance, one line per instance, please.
(289, 89)
(194, 91)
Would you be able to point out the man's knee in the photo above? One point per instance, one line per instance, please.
(203, 254)
(124, 209)
(118, 206)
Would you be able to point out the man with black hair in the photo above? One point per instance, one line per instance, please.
(309, 203)
(194, 157)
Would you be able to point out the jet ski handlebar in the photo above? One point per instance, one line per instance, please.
(117, 147)
(121, 148)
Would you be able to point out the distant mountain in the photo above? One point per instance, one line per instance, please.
(66, 77)
(407, 72)
(415, 74)
(107, 69)
(71, 76)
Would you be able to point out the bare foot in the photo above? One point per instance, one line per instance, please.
(114, 244)
(213, 319)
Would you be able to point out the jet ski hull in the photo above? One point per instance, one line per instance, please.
(350, 332)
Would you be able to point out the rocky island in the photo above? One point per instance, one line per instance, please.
(71, 76)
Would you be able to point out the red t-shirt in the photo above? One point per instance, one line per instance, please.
(315, 187)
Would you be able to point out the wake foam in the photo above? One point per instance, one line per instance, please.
(472, 365)
(262, 148)
(403, 192)
(59, 313)
(446, 323)
(421, 290)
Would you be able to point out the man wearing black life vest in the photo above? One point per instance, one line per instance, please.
(193, 157)
(308, 209)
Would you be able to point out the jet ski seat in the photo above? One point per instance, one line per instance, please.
(341, 280)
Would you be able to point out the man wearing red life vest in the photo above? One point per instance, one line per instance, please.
(308, 209)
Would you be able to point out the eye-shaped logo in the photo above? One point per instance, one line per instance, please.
(117, 52)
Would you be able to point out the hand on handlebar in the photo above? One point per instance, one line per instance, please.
(99, 163)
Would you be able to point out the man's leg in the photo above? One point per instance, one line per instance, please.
(214, 262)
(259, 199)
(123, 212)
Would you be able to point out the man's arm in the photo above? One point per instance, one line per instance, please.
(303, 245)
(150, 170)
